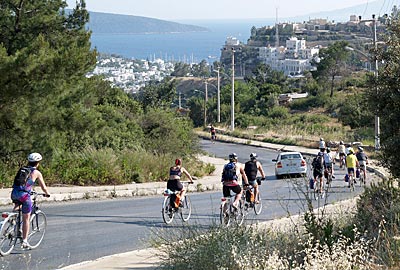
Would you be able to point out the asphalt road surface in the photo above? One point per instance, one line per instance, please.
(86, 230)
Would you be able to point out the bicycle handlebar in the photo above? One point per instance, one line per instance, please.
(39, 194)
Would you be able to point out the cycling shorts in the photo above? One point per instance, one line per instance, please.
(174, 185)
(350, 171)
(226, 190)
(317, 173)
(253, 183)
(23, 198)
(362, 163)
(342, 154)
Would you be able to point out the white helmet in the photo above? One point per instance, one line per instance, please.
(34, 157)
(253, 155)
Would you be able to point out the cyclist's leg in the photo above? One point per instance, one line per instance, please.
(256, 193)
(238, 190)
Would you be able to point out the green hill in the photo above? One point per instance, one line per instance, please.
(127, 24)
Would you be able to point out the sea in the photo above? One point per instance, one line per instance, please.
(191, 47)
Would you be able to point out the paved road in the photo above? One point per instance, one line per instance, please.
(86, 230)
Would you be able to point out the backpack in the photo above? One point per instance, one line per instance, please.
(229, 172)
(22, 176)
(317, 163)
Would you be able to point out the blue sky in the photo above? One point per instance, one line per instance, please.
(217, 9)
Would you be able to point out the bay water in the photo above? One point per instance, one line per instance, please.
(190, 47)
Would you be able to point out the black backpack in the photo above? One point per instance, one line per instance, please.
(22, 176)
(317, 163)
(229, 172)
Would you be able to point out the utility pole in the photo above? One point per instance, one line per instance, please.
(205, 103)
(233, 92)
(218, 97)
(377, 124)
(180, 104)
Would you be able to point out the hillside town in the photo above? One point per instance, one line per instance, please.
(293, 58)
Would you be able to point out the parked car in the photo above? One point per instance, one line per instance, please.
(290, 163)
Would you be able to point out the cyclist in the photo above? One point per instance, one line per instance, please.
(342, 153)
(351, 164)
(318, 166)
(230, 179)
(213, 133)
(362, 160)
(20, 194)
(175, 173)
(251, 168)
(328, 162)
(321, 144)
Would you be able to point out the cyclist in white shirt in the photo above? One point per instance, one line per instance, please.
(342, 153)
(329, 161)
(321, 144)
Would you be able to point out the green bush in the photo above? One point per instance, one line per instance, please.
(378, 214)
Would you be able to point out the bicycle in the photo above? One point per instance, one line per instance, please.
(328, 176)
(342, 161)
(319, 192)
(351, 182)
(362, 176)
(169, 210)
(250, 201)
(11, 230)
(229, 213)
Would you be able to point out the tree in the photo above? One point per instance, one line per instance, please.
(201, 69)
(332, 63)
(384, 95)
(157, 94)
(44, 55)
(181, 70)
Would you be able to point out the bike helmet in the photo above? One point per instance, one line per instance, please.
(351, 150)
(321, 139)
(253, 155)
(34, 157)
(320, 154)
(360, 149)
(233, 157)
(328, 149)
(341, 143)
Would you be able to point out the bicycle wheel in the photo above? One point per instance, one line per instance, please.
(316, 190)
(351, 183)
(258, 206)
(167, 211)
(362, 179)
(186, 208)
(224, 215)
(239, 213)
(8, 237)
(37, 229)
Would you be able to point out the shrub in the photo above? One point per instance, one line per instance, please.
(378, 214)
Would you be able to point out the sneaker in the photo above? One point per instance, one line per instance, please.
(333, 177)
(25, 244)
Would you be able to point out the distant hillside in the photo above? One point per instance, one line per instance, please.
(378, 7)
(116, 23)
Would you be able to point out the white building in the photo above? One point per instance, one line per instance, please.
(293, 59)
